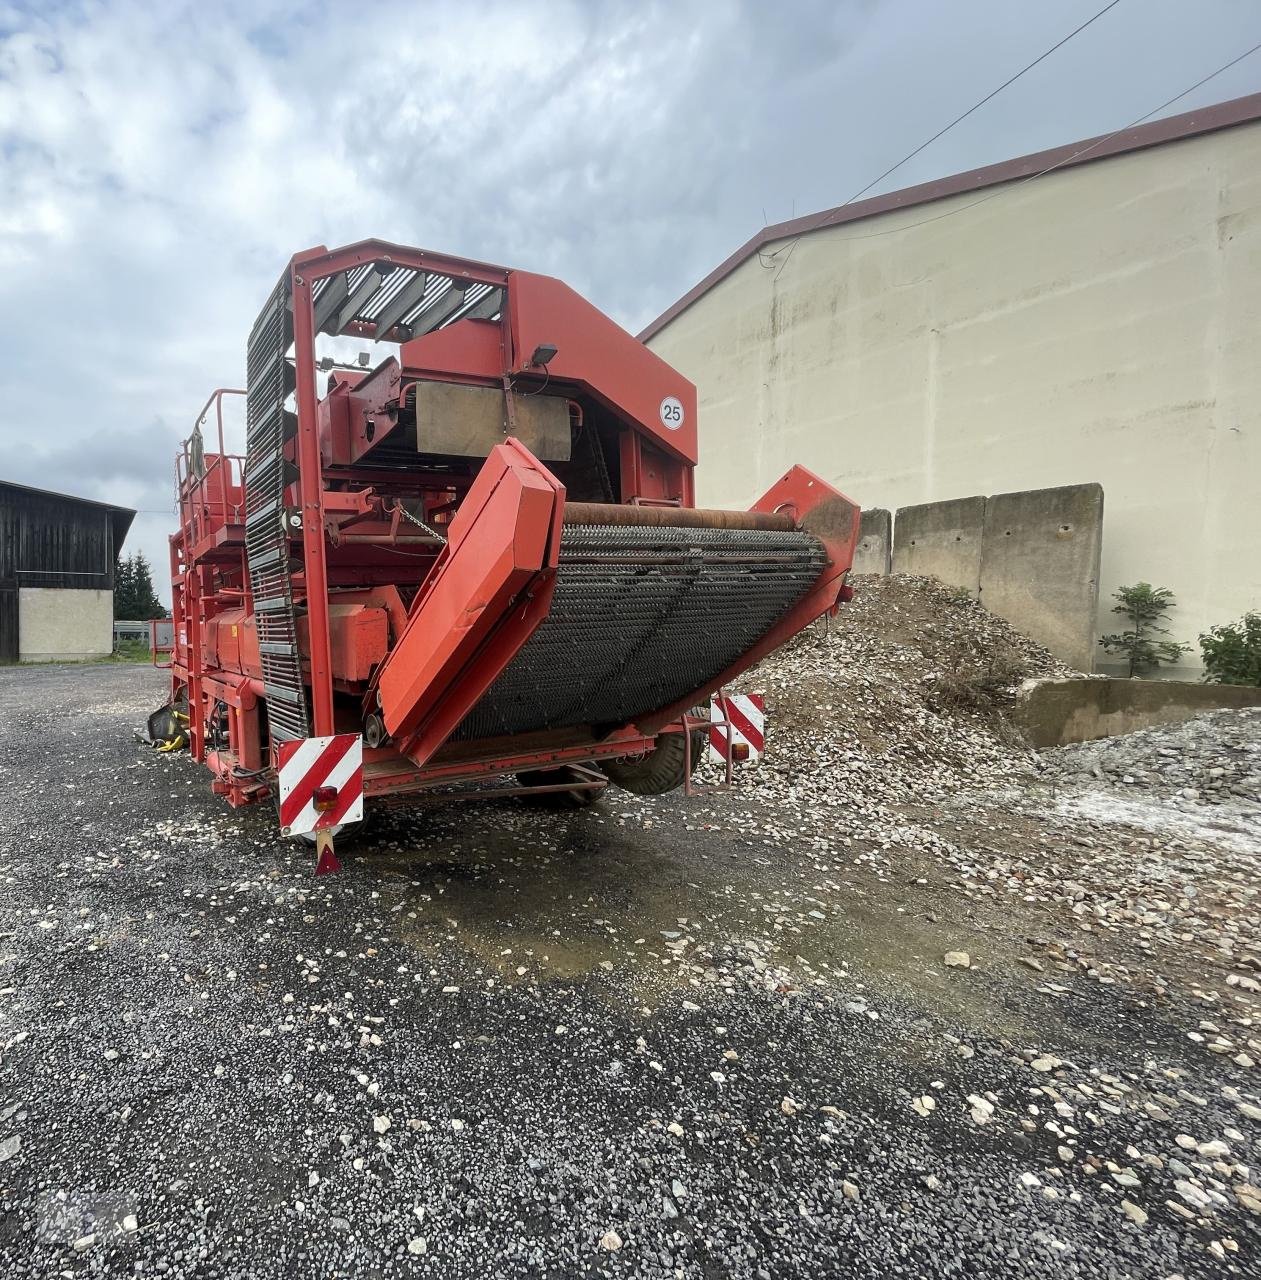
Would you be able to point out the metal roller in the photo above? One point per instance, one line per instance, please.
(607, 513)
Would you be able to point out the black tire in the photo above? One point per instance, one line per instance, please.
(579, 798)
(659, 771)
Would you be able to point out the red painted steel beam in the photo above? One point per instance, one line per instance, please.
(489, 589)
(311, 488)
(320, 261)
(399, 777)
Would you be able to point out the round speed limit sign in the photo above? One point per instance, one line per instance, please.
(672, 413)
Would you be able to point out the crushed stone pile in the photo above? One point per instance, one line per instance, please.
(900, 698)
(1214, 759)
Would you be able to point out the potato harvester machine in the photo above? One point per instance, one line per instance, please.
(476, 554)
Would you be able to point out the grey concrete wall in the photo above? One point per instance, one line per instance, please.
(1053, 713)
(64, 625)
(941, 540)
(875, 542)
(1040, 566)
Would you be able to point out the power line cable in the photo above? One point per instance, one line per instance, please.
(910, 155)
(1059, 164)
(976, 106)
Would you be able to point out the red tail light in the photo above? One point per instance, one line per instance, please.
(324, 799)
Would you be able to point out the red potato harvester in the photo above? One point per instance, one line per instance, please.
(479, 557)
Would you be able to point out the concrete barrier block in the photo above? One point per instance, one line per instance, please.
(1054, 713)
(941, 540)
(875, 542)
(1040, 566)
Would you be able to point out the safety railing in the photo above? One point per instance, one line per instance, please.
(210, 487)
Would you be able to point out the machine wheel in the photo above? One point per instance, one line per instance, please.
(374, 734)
(661, 769)
(579, 798)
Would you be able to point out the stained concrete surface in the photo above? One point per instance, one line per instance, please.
(875, 542)
(57, 624)
(941, 540)
(1052, 713)
(505, 1041)
(1040, 566)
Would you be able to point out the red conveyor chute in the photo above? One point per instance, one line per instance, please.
(488, 591)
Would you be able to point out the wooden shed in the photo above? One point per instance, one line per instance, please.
(57, 557)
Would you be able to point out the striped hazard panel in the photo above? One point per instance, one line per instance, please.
(745, 714)
(321, 783)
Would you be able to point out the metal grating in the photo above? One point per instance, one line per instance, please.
(644, 616)
(401, 302)
(270, 380)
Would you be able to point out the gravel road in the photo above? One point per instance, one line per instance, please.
(647, 1038)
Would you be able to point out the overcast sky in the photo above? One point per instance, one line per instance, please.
(159, 163)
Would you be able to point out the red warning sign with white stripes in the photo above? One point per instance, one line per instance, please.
(747, 715)
(321, 783)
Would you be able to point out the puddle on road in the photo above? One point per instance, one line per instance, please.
(567, 896)
(558, 894)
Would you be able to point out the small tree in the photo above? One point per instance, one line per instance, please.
(134, 596)
(1145, 606)
(124, 588)
(1232, 651)
(147, 601)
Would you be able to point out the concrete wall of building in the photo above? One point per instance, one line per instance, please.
(59, 625)
(1053, 713)
(1096, 325)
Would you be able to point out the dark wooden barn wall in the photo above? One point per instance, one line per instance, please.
(51, 542)
(8, 622)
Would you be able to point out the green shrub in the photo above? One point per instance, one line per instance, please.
(1232, 651)
(1145, 606)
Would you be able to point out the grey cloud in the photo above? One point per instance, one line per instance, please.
(158, 165)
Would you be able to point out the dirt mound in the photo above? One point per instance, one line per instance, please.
(901, 697)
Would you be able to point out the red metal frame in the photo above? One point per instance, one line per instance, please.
(155, 649)
(490, 588)
(690, 724)
(455, 599)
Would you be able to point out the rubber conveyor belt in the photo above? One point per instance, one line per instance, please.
(642, 617)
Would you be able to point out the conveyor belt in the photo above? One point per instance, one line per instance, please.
(641, 617)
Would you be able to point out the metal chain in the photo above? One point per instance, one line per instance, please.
(429, 529)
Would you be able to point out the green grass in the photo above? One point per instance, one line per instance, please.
(129, 651)
(133, 652)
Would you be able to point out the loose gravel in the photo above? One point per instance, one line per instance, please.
(651, 1038)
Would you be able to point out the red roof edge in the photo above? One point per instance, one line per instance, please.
(1191, 124)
